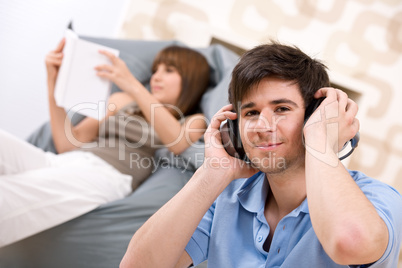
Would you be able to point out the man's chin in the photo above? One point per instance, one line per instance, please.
(269, 164)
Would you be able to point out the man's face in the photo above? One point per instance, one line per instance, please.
(271, 123)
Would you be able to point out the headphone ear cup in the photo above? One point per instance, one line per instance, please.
(355, 140)
(227, 140)
(231, 140)
(313, 105)
(234, 134)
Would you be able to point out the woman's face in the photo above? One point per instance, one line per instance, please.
(166, 84)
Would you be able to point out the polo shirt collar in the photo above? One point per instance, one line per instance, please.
(303, 208)
(253, 194)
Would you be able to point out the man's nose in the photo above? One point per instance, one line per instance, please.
(264, 124)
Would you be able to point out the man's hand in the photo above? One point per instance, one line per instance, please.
(216, 156)
(333, 123)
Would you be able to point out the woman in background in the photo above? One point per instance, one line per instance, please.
(100, 161)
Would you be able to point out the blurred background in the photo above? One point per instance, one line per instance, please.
(359, 40)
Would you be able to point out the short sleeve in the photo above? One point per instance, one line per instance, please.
(388, 203)
(198, 245)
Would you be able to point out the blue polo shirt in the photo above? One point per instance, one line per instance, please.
(233, 231)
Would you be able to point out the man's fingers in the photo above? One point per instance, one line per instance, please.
(220, 116)
(342, 99)
(214, 127)
(212, 134)
(325, 92)
(333, 94)
(356, 124)
(352, 107)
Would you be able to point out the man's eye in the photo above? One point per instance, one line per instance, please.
(251, 113)
(282, 109)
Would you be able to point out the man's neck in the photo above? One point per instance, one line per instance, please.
(287, 191)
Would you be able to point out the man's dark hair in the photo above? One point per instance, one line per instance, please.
(279, 61)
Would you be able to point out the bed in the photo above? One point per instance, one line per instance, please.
(100, 237)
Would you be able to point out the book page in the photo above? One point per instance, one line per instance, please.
(82, 90)
(62, 76)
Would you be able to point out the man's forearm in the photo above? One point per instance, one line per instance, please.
(161, 241)
(346, 223)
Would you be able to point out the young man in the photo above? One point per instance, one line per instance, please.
(302, 208)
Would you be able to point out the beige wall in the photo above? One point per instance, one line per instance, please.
(359, 40)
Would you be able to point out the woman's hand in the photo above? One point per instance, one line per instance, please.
(53, 62)
(216, 156)
(117, 72)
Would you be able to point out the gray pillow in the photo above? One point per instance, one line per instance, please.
(222, 60)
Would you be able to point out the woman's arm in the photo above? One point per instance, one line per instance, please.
(67, 137)
(174, 135)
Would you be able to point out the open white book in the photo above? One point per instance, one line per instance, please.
(78, 88)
